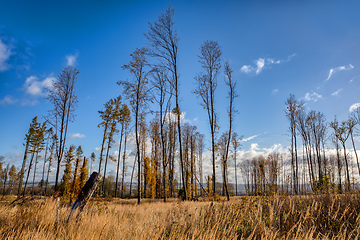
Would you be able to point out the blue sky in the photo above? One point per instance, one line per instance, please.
(306, 48)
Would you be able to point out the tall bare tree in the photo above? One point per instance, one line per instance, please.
(210, 53)
(235, 141)
(62, 96)
(351, 123)
(342, 133)
(124, 119)
(164, 41)
(231, 112)
(136, 90)
(162, 95)
(292, 110)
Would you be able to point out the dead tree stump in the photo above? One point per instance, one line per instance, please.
(86, 192)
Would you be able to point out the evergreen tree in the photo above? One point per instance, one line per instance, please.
(84, 174)
(65, 187)
(76, 183)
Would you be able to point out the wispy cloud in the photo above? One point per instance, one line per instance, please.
(71, 59)
(336, 92)
(312, 96)
(354, 107)
(263, 63)
(337, 69)
(8, 100)
(76, 135)
(29, 102)
(5, 53)
(275, 91)
(35, 87)
(250, 138)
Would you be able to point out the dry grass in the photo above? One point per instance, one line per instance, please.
(280, 217)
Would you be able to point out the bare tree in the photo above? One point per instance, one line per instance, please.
(293, 106)
(342, 133)
(235, 141)
(137, 92)
(161, 89)
(209, 58)
(231, 111)
(351, 123)
(62, 96)
(124, 119)
(164, 40)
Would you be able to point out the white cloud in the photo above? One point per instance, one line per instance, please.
(71, 59)
(336, 92)
(246, 69)
(5, 53)
(249, 138)
(35, 87)
(7, 100)
(260, 63)
(97, 149)
(263, 63)
(354, 107)
(337, 69)
(76, 135)
(312, 96)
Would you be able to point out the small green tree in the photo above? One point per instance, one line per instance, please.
(65, 187)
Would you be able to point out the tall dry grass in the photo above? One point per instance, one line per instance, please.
(279, 217)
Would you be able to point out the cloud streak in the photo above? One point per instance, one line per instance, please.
(262, 63)
(336, 92)
(77, 135)
(337, 69)
(250, 138)
(8, 100)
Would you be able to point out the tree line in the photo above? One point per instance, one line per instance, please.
(174, 165)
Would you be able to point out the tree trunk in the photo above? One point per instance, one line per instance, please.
(118, 163)
(23, 167)
(86, 193)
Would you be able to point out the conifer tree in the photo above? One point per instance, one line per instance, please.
(114, 118)
(65, 187)
(27, 145)
(84, 174)
(76, 181)
(36, 142)
(13, 178)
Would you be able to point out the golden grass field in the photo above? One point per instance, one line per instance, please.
(275, 217)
